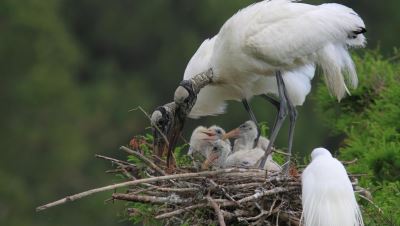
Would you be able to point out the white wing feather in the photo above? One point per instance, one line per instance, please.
(297, 83)
(308, 33)
(200, 60)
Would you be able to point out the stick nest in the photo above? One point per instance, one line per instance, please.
(193, 197)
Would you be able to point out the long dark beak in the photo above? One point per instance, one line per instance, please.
(173, 138)
(171, 117)
(161, 126)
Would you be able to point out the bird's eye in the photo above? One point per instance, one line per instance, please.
(218, 131)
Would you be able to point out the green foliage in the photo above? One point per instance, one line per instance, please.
(182, 159)
(144, 214)
(264, 129)
(280, 159)
(370, 119)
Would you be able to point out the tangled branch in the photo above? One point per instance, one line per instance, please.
(224, 196)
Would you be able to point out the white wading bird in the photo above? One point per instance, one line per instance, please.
(244, 154)
(272, 47)
(327, 194)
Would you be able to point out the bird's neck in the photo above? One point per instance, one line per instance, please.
(244, 142)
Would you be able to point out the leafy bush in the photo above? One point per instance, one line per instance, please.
(370, 119)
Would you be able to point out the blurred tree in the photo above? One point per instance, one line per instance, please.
(51, 124)
(71, 70)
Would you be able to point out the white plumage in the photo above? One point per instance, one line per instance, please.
(203, 138)
(219, 153)
(244, 158)
(327, 194)
(249, 159)
(245, 135)
(277, 35)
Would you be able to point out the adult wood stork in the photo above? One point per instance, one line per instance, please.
(327, 193)
(272, 47)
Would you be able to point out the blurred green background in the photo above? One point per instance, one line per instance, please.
(72, 69)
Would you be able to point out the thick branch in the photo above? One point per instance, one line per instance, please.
(261, 194)
(172, 199)
(179, 211)
(241, 186)
(217, 210)
(135, 182)
(178, 190)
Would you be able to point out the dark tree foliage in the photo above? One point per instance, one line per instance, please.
(72, 69)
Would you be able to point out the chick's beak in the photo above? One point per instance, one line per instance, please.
(209, 133)
(209, 161)
(232, 134)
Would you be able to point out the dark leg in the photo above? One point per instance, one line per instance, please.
(253, 118)
(276, 104)
(283, 111)
(271, 100)
(292, 123)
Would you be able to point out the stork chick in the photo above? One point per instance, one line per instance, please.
(202, 141)
(244, 155)
(218, 154)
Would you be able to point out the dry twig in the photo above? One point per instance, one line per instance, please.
(144, 159)
(218, 212)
